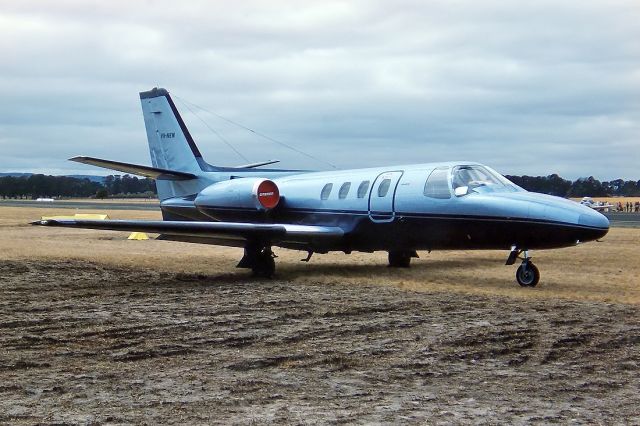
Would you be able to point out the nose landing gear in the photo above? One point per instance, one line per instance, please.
(527, 274)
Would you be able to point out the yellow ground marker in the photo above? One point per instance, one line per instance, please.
(138, 236)
(86, 216)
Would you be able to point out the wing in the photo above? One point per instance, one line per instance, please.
(274, 233)
(135, 169)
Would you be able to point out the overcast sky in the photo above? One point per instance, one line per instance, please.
(526, 87)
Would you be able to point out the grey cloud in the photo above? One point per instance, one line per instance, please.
(536, 88)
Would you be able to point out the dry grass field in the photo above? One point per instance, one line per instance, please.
(600, 271)
(98, 329)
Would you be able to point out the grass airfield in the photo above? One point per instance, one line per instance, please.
(96, 328)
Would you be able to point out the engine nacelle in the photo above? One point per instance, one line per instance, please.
(255, 193)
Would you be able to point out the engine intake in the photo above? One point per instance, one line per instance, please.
(245, 193)
(267, 194)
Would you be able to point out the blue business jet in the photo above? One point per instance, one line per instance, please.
(399, 209)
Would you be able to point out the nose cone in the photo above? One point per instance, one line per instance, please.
(589, 224)
(594, 219)
(597, 225)
(563, 222)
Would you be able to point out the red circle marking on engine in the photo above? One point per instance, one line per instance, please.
(268, 194)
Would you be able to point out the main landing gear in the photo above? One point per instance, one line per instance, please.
(260, 259)
(401, 258)
(527, 274)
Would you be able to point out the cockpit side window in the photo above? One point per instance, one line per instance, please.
(475, 178)
(437, 185)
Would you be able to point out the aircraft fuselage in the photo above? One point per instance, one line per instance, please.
(391, 209)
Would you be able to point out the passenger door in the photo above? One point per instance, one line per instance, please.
(382, 195)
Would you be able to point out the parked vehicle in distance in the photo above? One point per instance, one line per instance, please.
(600, 206)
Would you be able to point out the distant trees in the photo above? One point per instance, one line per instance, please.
(39, 185)
(589, 187)
(117, 185)
(583, 187)
(552, 184)
(35, 186)
(102, 193)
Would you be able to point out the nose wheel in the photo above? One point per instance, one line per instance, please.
(527, 274)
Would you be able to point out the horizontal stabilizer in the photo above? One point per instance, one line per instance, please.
(226, 230)
(135, 169)
(254, 165)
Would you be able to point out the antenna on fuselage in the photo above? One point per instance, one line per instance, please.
(242, 126)
(214, 131)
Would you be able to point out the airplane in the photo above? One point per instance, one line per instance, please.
(457, 205)
(596, 205)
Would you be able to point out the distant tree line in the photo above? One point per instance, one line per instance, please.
(35, 186)
(38, 185)
(583, 187)
(129, 185)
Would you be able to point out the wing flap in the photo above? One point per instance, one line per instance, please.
(135, 169)
(226, 230)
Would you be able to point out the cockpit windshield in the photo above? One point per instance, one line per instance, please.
(480, 179)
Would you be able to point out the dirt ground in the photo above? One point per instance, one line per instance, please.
(97, 329)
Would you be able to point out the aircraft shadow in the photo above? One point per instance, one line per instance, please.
(289, 272)
(423, 268)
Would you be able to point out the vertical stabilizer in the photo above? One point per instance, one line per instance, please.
(170, 143)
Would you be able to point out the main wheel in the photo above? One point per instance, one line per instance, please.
(528, 275)
(264, 265)
(399, 259)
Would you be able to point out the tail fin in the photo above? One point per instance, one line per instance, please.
(173, 149)
(170, 143)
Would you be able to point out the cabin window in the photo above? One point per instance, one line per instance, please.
(344, 190)
(384, 187)
(437, 185)
(326, 191)
(363, 188)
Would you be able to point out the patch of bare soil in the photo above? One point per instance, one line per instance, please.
(84, 343)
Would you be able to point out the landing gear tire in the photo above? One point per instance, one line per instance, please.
(258, 258)
(400, 259)
(264, 266)
(528, 275)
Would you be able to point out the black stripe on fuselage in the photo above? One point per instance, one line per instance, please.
(419, 231)
(257, 214)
